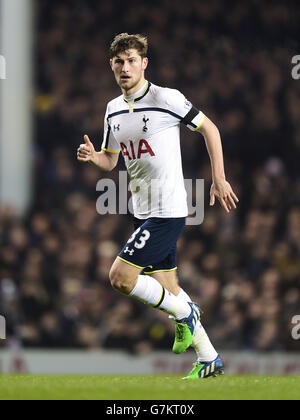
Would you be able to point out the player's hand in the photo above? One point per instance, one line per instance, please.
(86, 152)
(224, 193)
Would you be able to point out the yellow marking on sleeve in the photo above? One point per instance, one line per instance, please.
(200, 125)
(111, 151)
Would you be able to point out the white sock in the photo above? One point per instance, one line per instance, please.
(151, 292)
(203, 347)
(201, 343)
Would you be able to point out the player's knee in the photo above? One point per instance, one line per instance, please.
(120, 281)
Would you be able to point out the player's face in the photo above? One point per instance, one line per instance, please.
(129, 69)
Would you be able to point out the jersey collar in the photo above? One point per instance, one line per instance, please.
(140, 94)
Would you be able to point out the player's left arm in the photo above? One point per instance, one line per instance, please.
(220, 187)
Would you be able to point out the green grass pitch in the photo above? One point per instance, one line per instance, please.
(152, 387)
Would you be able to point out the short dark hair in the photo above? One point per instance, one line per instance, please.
(124, 42)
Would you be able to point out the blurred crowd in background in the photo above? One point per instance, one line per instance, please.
(232, 60)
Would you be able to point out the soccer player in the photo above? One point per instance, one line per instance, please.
(144, 125)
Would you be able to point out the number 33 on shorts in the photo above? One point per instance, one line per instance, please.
(142, 240)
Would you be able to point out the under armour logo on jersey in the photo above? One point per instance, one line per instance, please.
(130, 251)
(144, 148)
(117, 127)
(145, 120)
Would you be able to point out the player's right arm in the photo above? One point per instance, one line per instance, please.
(108, 158)
(104, 160)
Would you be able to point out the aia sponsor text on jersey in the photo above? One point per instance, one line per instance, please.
(133, 152)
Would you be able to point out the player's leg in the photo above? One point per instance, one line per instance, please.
(201, 342)
(169, 280)
(126, 278)
(152, 240)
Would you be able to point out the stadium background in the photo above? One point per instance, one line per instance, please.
(233, 61)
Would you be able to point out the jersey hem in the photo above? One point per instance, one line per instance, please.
(159, 216)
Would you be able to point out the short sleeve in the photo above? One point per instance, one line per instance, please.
(184, 110)
(109, 144)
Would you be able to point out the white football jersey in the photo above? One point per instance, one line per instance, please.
(145, 127)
